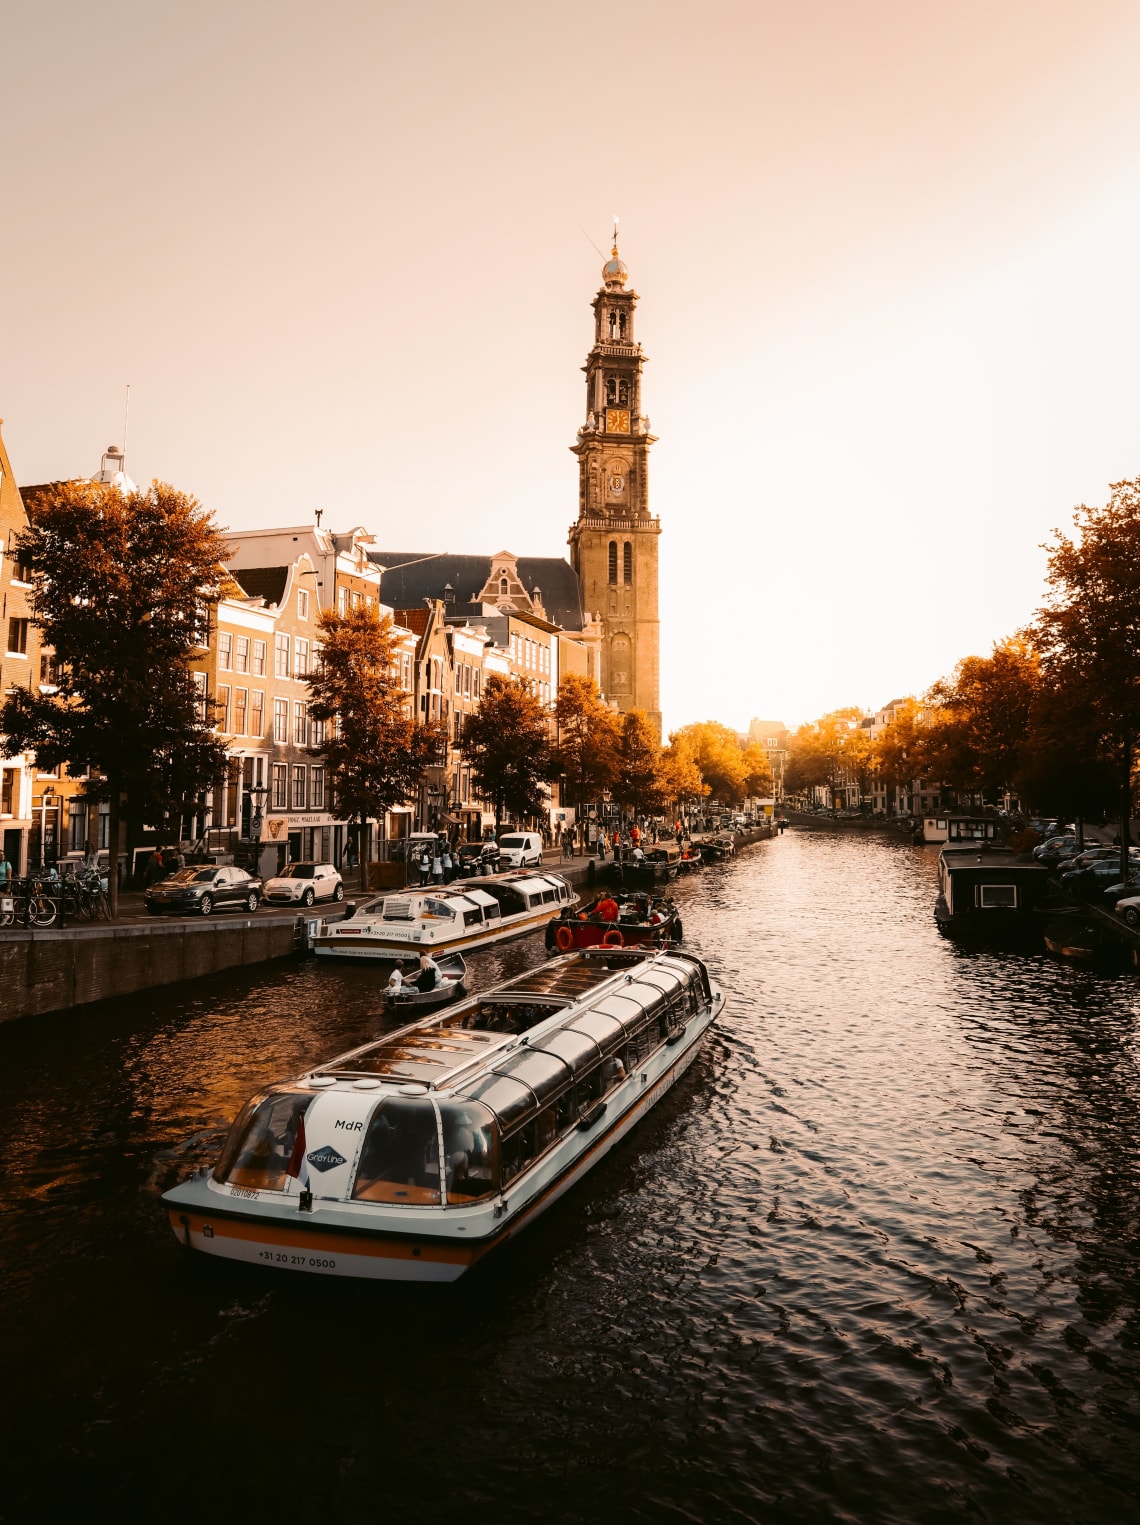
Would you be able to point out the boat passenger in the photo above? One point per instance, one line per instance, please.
(608, 909)
(396, 978)
(428, 976)
(613, 1072)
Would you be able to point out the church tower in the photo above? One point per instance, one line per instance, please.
(613, 546)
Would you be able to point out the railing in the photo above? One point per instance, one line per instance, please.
(44, 900)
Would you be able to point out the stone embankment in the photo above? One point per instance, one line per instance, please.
(46, 970)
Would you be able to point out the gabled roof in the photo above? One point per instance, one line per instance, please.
(268, 583)
(404, 586)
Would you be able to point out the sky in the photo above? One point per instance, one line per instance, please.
(344, 257)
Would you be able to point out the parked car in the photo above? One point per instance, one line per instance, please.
(202, 890)
(521, 849)
(1117, 892)
(478, 857)
(1052, 845)
(1091, 880)
(303, 883)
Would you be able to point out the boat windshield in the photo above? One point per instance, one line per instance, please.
(399, 1161)
(260, 1144)
(470, 1150)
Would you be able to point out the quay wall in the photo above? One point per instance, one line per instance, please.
(52, 970)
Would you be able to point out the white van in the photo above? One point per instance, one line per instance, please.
(520, 849)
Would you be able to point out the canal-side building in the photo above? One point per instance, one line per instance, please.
(19, 668)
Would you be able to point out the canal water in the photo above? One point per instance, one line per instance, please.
(874, 1259)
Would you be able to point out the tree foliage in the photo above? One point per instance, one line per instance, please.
(124, 584)
(375, 751)
(981, 718)
(680, 776)
(508, 745)
(639, 785)
(589, 739)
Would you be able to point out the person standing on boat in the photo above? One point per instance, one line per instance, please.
(448, 862)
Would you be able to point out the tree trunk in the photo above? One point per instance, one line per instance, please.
(114, 827)
(1125, 807)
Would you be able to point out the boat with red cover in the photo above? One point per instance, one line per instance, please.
(614, 920)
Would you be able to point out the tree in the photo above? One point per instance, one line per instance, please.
(815, 752)
(508, 746)
(375, 752)
(680, 777)
(981, 719)
(124, 584)
(1088, 631)
(639, 786)
(717, 753)
(757, 770)
(901, 755)
(589, 735)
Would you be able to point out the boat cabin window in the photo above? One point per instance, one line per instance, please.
(469, 1150)
(546, 1074)
(510, 1100)
(440, 909)
(399, 1161)
(473, 917)
(509, 1016)
(550, 894)
(997, 896)
(260, 1144)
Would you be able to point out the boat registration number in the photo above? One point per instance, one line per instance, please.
(284, 1258)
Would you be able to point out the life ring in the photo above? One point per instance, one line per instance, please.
(564, 938)
(613, 939)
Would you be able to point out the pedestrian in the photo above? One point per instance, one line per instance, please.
(448, 863)
(5, 872)
(601, 844)
(436, 865)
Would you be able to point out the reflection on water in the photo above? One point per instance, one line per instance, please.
(874, 1259)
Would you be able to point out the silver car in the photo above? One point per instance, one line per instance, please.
(304, 883)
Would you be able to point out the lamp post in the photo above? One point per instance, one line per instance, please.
(257, 793)
(47, 801)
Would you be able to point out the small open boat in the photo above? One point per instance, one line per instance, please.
(690, 860)
(408, 1001)
(716, 849)
(616, 920)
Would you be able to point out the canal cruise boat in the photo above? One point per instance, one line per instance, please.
(617, 920)
(987, 887)
(449, 918)
(414, 1156)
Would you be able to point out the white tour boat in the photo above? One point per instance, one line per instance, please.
(451, 917)
(411, 1158)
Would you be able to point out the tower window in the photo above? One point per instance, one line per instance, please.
(613, 561)
(627, 559)
(617, 391)
(617, 323)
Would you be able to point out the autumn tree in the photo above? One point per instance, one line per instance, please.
(901, 755)
(639, 784)
(375, 751)
(1088, 632)
(717, 752)
(680, 776)
(757, 770)
(981, 718)
(589, 737)
(815, 752)
(508, 746)
(124, 584)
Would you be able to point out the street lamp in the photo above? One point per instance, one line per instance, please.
(47, 801)
(257, 793)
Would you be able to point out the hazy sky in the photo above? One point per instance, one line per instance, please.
(887, 256)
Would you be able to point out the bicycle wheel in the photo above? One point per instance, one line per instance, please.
(43, 910)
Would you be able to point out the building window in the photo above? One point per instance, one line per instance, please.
(280, 787)
(21, 568)
(300, 658)
(8, 790)
(342, 602)
(241, 698)
(281, 721)
(17, 638)
(317, 788)
(259, 659)
(316, 733)
(613, 561)
(504, 586)
(300, 724)
(200, 697)
(302, 604)
(257, 713)
(627, 559)
(222, 715)
(300, 778)
(280, 656)
(49, 670)
(241, 654)
(225, 650)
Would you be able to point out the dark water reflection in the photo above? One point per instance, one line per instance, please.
(876, 1259)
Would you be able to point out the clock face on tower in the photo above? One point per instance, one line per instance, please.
(617, 420)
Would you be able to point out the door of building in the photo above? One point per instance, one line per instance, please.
(13, 849)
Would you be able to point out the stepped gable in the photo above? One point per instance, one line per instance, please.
(406, 586)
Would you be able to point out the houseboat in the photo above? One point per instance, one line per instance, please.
(987, 887)
(414, 1156)
(456, 917)
(956, 830)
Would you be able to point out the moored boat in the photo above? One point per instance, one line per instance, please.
(464, 915)
(690, 860)
(616, 920)
(987, 887)
(414, 1156)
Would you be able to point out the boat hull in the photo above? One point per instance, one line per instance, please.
(215, 1225)
(379, 947)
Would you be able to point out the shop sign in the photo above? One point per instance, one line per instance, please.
(275, 828)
